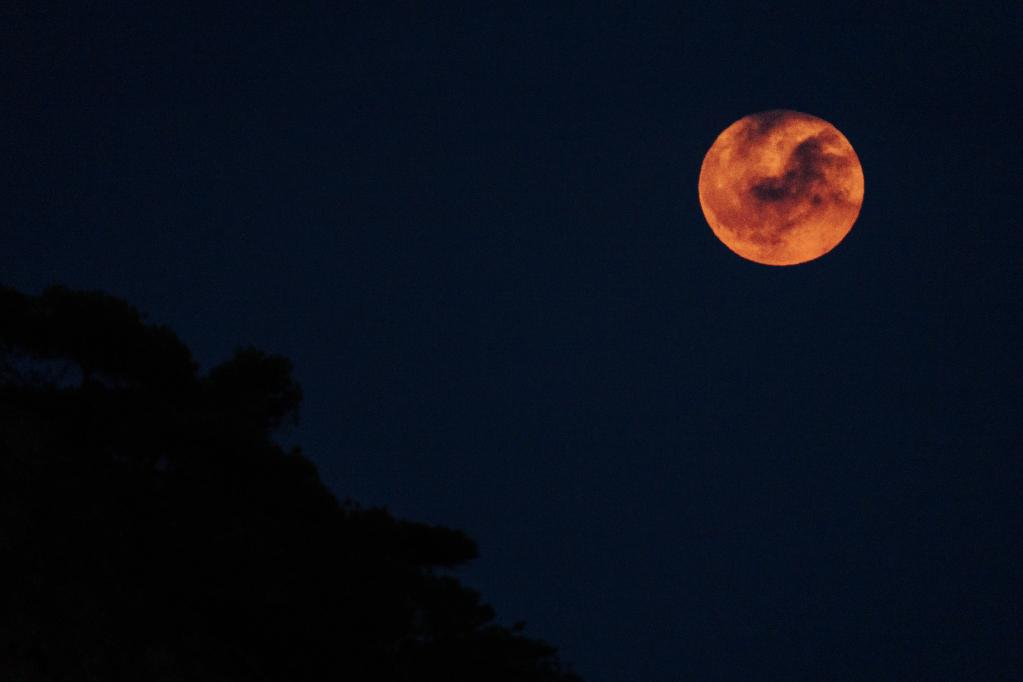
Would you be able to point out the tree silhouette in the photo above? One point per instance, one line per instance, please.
(151, 528)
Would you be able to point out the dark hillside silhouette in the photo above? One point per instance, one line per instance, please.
(151, 528)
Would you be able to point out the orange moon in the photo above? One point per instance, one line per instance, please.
(781, 187)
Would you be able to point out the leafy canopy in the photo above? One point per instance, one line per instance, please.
(153, 530)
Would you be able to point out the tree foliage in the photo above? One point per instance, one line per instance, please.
(151, 528)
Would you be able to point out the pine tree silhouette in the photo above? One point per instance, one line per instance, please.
(151, 528)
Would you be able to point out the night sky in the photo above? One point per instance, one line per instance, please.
(476, 233)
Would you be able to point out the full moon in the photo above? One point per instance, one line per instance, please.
(781, 187)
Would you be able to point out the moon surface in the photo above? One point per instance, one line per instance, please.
(781, 187)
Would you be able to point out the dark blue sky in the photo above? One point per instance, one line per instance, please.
(476, 233)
